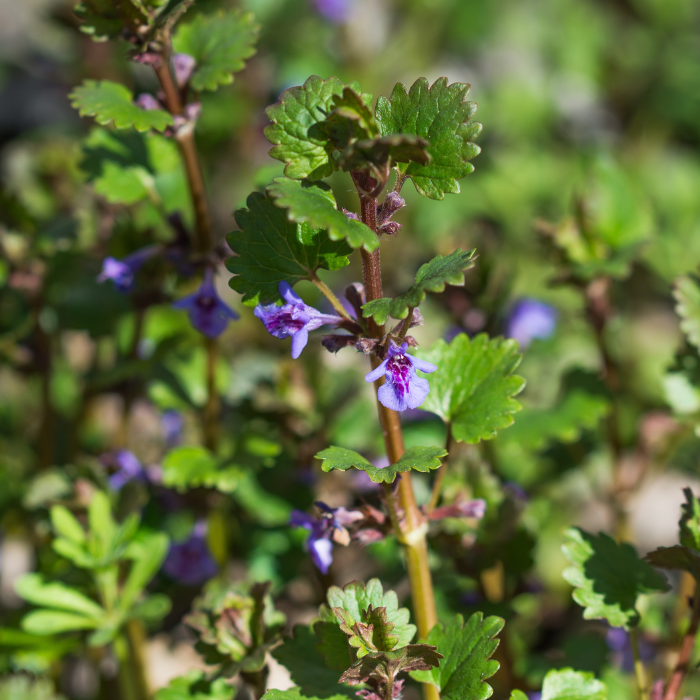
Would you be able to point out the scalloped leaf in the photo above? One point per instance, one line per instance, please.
(421, 459)
(608, 577)
(687, 294)
(190, 467)
(677, 558)
(297, 132)
(112, 102)
(220, 43)
(567, 684)
(314, 203)
(474, 385)
(271, 249)
(467, 649)
(441, 114)
(357, 597)
(431, 277)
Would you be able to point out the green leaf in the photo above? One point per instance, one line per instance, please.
(220, 43)
(441, 115)
(332, 645)
(431, 277)
(608, 577)
(107, 19)
(112, 102)
(350, 119)
(372, 632)
(271, 249)
(296, 131)
(67, 525)
(314, 680)
(567, 684)
(467, 649)
(422, 459)
(47, 622)
(384, 666)
(153, 608)
(148, 553)
(314, 203)
(357, 597)
(677, 557)
(103, 528)
(474, 385)
(33, 589)
(193, 466)
(74, 552)
(565, 422)
(517, 695)
(687, 294)
(382, 153)
(194, 686)
(689, 524)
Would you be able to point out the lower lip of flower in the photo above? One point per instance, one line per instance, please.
(400, 369)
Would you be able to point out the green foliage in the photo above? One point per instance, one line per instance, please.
(372, 632)
(689, 524)
(431, 277)
(608, 577)
(26, 688)
(296, 130)
(687, 294)
(421, 459)
(440, 114)
(467, 649)
(33, 589)
(220, 43)
(112, 102)
(314, 203)
(474, 385)
(192, 466)
(567, 684)
(271, 249)
(106, 19)
(384, 666)
(194, 686)
(357, 597)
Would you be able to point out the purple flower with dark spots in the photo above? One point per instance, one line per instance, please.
(190, 562)
(122, 272)
(127, 468)
(183, 67)
(530, 319)
(329, 527)
(171, 423)
(336, 11)
(146, 101)
(294, 318)
(208, 314)
(402, 387)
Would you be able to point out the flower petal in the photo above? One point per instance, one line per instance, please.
(288, 294)
(422, 365)
(300, 519)
(321, 553)
(299, 341)
(379, 371)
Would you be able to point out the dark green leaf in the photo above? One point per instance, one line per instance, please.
(441, 114)
(467, 649)
(677, 557)
(193, 466)
(474, 385)
(431, 277)
(107, 19)
(112, 102)
(314, 203)
(332, 645)
(608, 577)
(296, 130)
(271, 249)
(567, 684)
(689, 524)
(384, 151)
(422, 459)
(219, 43)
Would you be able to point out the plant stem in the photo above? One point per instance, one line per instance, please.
(412, 536)
(639, 672)
(437, 484)
(135, 637)
(686, 649)
(327, 292)
(407, 323)
(211, 408)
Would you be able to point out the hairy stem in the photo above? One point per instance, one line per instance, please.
(210, 417)
(440, 477)
(327, 292)
(639, 671)
(680, 670)
(413, 534)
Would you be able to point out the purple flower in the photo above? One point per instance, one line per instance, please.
(146, 101)
(530, 319)
(329, 526)
(403, 388)
(183, 66)
(127, 468)
(336, 11)
(171, 424)
(190, 562)
(122, 272)
(294, 318)
(208, 314)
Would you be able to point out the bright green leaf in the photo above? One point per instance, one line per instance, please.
(74, 552)
(474, 385)
(47, 622)
(687, 294)
(518, 695)
(148, 553)
(220, 43)
(190, 467)
(314, 203)
(567, 684)
(271, 249)
(467, 649)
(33, 589)
(431, 277)
(66, 524)
(608, 577)
(296, 130)
(441, 114)
(112, 102)
(422, 459)
(194, 686)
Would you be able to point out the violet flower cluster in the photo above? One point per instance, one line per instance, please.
(531, 319)
(122, 272)
(191, 562)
